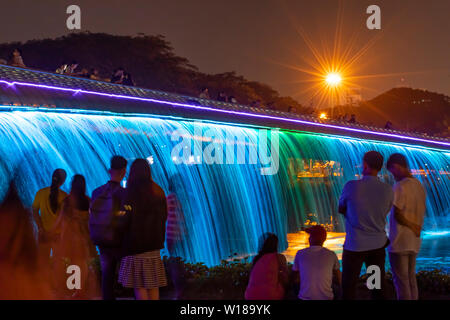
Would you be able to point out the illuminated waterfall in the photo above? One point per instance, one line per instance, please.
(226, 206)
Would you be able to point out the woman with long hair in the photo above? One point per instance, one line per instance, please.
(46, 206)
(269, 274)
(75, 246)
(146, 215)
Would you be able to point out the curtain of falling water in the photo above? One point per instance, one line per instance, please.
(226, 206)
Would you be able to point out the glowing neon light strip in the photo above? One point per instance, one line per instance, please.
(76, 91)
(206, 121)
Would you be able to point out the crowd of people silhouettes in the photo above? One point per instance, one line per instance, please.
(131, 225)
(365, 204)
(69, 225)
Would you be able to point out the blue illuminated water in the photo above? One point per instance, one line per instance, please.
(226, 206)
(435, 251)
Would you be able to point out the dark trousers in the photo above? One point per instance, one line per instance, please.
(109, 261)
(352, 262)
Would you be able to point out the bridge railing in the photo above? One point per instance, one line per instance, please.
(26, 75)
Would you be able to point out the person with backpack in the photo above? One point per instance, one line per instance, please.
(105, 221)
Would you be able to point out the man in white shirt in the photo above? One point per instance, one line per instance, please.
(316, 267)
(405, 225)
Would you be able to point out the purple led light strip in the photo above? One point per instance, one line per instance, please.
(42, 86)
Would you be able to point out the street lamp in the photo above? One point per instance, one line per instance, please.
(333, 79)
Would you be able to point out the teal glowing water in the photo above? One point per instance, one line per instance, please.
(226, 206)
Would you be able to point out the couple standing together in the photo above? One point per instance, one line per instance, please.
(129, 225)
(365, 204)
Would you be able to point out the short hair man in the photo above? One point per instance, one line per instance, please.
(317, 267)
(405, 224)
(110, 256)
(365, 204)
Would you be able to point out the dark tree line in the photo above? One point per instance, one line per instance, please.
(412, 110)
(151, 61)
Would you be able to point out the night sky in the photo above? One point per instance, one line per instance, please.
(258, 38)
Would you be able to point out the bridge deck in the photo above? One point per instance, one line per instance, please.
(32, 88)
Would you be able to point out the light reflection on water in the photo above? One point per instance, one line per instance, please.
(434, 252)
(299, 240)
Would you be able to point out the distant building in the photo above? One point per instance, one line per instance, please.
(353, 96)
